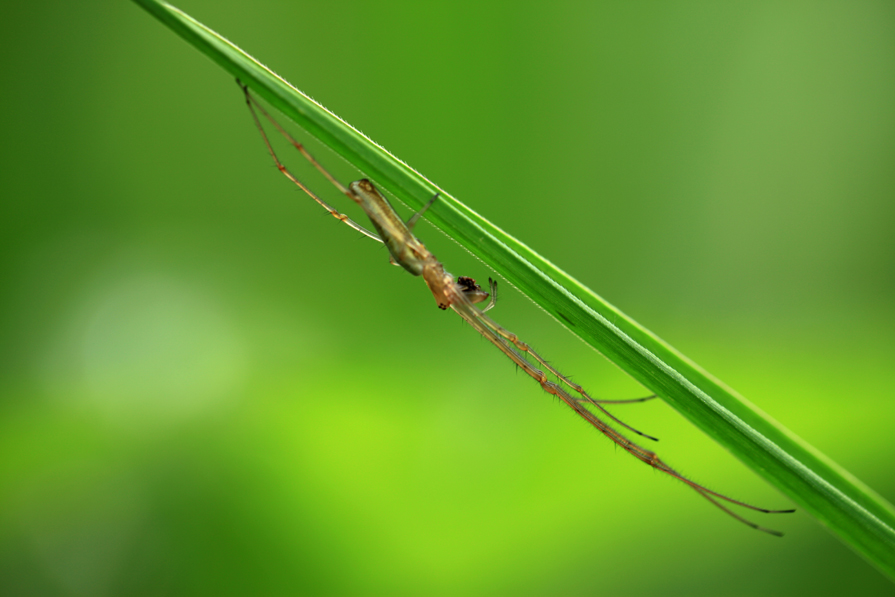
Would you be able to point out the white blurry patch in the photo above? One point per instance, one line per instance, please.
(154, 346)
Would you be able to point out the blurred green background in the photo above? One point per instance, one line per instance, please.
(211, 387)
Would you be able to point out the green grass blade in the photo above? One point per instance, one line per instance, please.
(860, 517)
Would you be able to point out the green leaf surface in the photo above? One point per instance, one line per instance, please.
(856, 514)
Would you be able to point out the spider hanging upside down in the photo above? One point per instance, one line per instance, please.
(463, 294)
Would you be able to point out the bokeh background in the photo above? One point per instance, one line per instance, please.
(208, 386)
